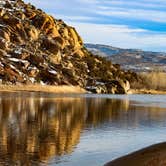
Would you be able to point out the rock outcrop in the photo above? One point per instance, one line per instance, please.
(36, 48)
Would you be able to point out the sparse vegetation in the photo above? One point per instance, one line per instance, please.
(155, 80)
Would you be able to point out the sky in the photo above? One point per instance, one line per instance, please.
(121, 23)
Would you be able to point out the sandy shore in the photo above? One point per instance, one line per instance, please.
(42, 88)
(151, 156)
(65, 89)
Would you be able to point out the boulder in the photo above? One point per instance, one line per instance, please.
(10, 19)
(50, 45)
(32, 72)
(8, 5)
(55, 58)
(99, 89)
(2, 12)
(59, 41)
(53, 32)
(125, 84)
(3, 44)
(33, 33)
(115, 87)
(5, 34)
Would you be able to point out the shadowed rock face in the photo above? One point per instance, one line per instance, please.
(36, 48)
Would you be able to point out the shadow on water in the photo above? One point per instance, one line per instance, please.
(34, 129)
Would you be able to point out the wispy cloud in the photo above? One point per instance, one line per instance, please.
(121, 36)
(73, 18)
(145, 10)
(126, 23)
(138, 14)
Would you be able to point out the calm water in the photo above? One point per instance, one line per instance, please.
(48, 129)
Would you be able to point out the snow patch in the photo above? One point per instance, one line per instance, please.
(52, 72)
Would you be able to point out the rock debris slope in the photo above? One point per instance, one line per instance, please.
(36, 48)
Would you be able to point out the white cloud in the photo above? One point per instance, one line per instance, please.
(88, 1)
(76, 11)
(145, 10)
(73, 18)
(121, 36)
(138, 4)
(151, 15)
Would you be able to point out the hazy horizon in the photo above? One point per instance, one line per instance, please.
(139, 24)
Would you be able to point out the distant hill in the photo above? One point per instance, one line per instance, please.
(134, 59)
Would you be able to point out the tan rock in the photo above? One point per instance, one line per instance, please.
(33, 72)
(30, 14)
(33, 33)
(77, 41)
(4, 34)
(2, 12)
(50, 45)
(60, 42)
(2, 52)
(55, 58)
(53, 32)
(3, 44)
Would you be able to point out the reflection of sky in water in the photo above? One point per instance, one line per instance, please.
(77, 130)
(142, 100)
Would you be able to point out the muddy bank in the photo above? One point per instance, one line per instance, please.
(154, 155)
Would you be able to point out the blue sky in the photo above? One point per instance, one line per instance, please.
(121, 23)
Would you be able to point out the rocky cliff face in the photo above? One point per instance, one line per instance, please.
(36, 48)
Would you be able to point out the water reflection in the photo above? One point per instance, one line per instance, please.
(35, 128)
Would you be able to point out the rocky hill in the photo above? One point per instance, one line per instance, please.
(36, 48)
(134, 59)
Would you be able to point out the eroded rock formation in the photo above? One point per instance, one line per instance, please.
(36, 48)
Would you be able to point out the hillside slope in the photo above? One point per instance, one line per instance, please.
(134, 59)
(36, 48)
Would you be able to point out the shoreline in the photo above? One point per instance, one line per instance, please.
(147, 91)
(66, 89)
(154, 155)
(42, 88)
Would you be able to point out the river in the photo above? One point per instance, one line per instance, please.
(77, 130)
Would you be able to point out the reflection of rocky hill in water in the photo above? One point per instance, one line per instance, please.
(104, 110)
(39, 129)
(35, 129)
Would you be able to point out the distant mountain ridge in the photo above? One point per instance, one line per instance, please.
(134, 59)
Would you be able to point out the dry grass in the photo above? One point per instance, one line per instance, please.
(43, 88)
(155, 80)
